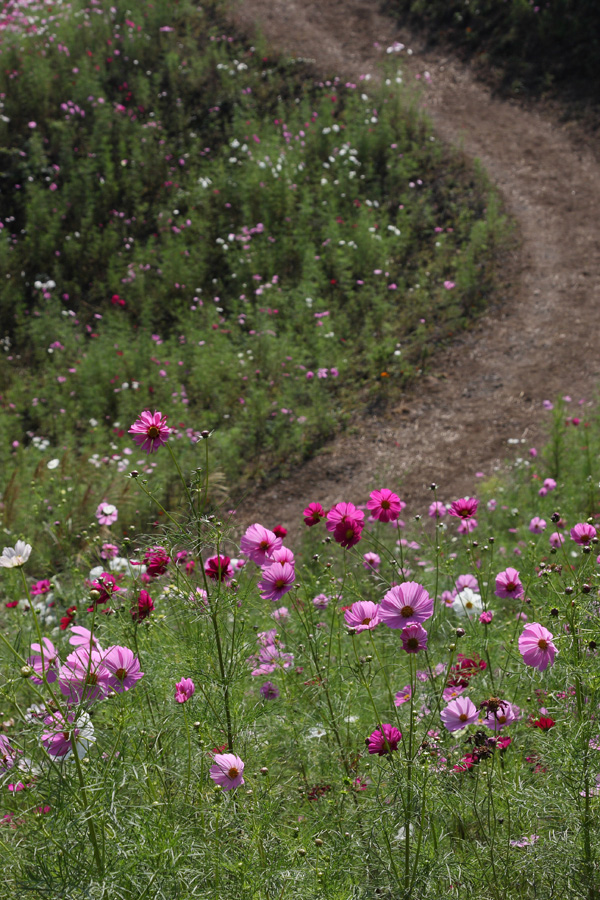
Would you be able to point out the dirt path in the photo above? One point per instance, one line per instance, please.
(544, 337)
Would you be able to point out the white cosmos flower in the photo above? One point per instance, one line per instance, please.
(53, 464)
(13, 557)
(467, 603)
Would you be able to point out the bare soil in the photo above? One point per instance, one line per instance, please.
(539, 339)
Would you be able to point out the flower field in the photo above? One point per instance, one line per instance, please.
(404, 705)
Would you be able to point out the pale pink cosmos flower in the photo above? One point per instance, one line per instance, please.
(45, 660)
(385, 505)
(150, 431)
(508, 584)
(82, 677)
(321, 601)
(281, 613)
(258, 543)
(556, 540)
(124, 668)
(371, 561)
(83, 637)
(107, 513)
(437, 510)
(466, 526)
(451, 693)
(414, 638)
(227, 771)
(459, 713)
(276, 581)
(583, 533)
(283, 555)
(362, 616)
(184, 690)
(537, 525)
(8, 754)
(536, 647)
(405, 604)
(403, 695)
(464, 508)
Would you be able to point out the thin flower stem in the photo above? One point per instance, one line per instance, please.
(189, 748)
(86, 806)
(180, 473)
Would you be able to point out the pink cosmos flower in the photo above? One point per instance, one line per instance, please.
(150, 431)
(464, 508)
(403, 696)
(486, 617)
(459, 713)
(62, 735)
(109, 551)
(283, 555)
(371, 561)
(437, 510)
(83, 637)
(504, 715)
(184, 689)
(550, 484)
(49, 664)
(451, 693)
(276, 581)
(124, 668)
(39, 588)
(508, 584)
(537, 525)
(82, 677)
(313, 514)
(414, 638)
(8, 754)
(556, 539)
(466, 581)
(362, 616)
(405, 604)
(281, 613)
(227, 771)
(536, 647)
(466, 526)
(258, 543)
(385, 505)
(583, 533)
(107, 513)
(269, 690)
(343, 514)
(384, 740)
(219, 568)
(321, 601)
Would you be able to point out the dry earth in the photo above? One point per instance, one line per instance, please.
(539, 341)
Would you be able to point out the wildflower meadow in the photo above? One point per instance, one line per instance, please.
(210, 258)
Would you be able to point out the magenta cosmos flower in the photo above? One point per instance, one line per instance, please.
(184, 689)
(583, 533)
(349, 533)
(219, 568)
(227, 771)
(107, 513)
(362, 616)
(313, 514)
(508, 584)
(458, 713)
(45, 660)
(150, 431)
(414, 638)
(276, 581)
(124, 668)
(536, 647)
(405, 604)
(385, 505)
(344, 514)
(403, 696)
(384, 740)
(464, 508)
(258, 543)
(145, 606)
(156, 560)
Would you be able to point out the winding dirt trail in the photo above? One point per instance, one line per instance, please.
(543, 337)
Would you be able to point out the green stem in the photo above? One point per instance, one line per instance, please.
(86, 806)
